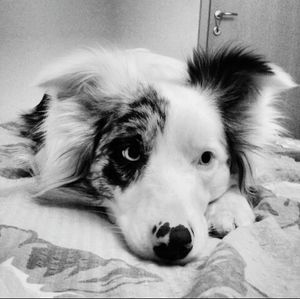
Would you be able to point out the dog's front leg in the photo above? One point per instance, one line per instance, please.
(228, 212)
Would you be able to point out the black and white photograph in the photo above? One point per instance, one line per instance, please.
(149, 149)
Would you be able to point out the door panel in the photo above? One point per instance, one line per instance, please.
(272, 27)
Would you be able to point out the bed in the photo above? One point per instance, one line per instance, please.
(67, 252)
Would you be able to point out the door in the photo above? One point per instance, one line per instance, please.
(272, 27)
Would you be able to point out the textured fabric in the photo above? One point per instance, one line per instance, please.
(51, 251)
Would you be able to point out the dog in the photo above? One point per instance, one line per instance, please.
(166, 147)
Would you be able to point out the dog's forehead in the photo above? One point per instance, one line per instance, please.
(181, 114)
(193, 117)
(144, 115)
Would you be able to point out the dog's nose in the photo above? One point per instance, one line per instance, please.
(177, 246)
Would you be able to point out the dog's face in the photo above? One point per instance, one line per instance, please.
(155, 140)
(163, 159)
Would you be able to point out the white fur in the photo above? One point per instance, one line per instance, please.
(175, 187)
(231, 210)
(264, 114)
(67, 133)
(119, 72)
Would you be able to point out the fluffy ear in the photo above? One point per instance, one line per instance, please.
(245, 88)
(66, 153)
(101, 72)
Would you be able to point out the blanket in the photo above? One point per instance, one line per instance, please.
(67, 252)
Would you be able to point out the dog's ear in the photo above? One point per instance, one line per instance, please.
(81, 73)
(100, 72)
(67, 152)
(244, 88)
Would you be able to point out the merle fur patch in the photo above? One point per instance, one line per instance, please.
(130, 125)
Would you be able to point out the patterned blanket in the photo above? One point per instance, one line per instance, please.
(63, 252)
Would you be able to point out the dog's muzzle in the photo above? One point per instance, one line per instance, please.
(172, 243)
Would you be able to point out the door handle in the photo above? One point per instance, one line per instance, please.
(219, 15)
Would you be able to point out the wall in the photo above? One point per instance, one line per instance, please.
(272, 28)
(35, 32)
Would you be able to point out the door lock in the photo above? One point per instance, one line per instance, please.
(219, 15)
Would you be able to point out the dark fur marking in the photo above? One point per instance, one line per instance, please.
(120, 171)
(232, 72)
(153, 102)
(33, 120)
(134, 124)
(229, 69)
(14, 173)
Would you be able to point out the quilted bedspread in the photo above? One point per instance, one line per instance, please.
(51, 251)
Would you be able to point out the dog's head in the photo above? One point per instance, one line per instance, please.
(154, 140)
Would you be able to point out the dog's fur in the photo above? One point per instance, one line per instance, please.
(161, 144)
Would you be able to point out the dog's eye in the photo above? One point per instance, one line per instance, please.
(131, 153)
(206, 158)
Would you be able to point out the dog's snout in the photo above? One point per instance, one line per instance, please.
(173, 243)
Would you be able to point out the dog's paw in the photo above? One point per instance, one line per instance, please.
(228, 212)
